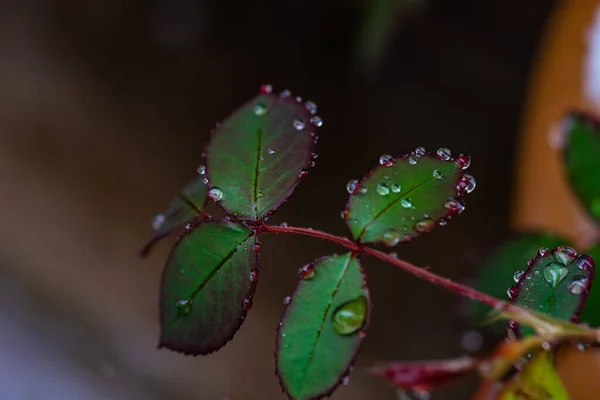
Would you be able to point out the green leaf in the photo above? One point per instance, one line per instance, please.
(497, 272)
(207, 286)
(582, 159)
(556, 283)
(258, 155)
(322, 327)
(591, 311)
(403, 198)
(538, 380)
(181, 210)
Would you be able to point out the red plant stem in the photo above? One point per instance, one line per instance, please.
(419, 272)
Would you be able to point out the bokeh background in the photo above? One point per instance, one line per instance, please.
(104, 110)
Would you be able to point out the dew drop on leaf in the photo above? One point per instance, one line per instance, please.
(412, 160)
(394, 255)
(201, 169)
(285, 94)
(444, 153)
(466, 185)
(316, 121)
(259, 109)
(344, 214)
(463, 161)
(286, 300)
(386, 160)
(158, 221)
(383, 189)
(391, 237)
(554, 273)
(205, 180)
(266, 89)
(517, 275)
(542, 251)
(299, 124)
(512, 292)
(454, 205)
(270, 151)
(437, 174)
(350, 317)
(565, 254)
(351, 186)
(311, 107)
(578, 285)
(247, 304)
(585, 262)
(253, 275)
(307, 271)
(345, 380)
(257, 247)
(215, 194)
(420, 151)
(406, 203)
(302, 174)
(396, 188)
(184, 306)
(425, 225)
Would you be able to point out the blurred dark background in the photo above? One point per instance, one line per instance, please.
(104, 110)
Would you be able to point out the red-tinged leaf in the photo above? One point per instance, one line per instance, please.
(181, 211)
(425, 375)
(403, 198)
(322, 327)
(556, 283)
(258, 155)
(207, 286)
(591, 311)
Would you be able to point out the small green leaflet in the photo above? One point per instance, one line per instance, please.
(322, 327)
(556, 283)
(403, 198)
(258, 155)
(582, 159)
(207, 286)
(497, 272)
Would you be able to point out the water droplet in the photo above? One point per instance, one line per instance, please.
(425, 225)
(554, 273)
(466, 185)
(312, 164)
(383, 189)
(302, 174)
(247, 304)
(345, 380)
(284, 225)
(412, 160)
(298, 124)
(406, 202)
(311, 107)
(471, 341)
(512, 292)
(205, 180)
(257, 247)
(266, 89)
(454, 205)
(585, 262)
(394, 255)
(542, 251)
(259, 109)
(286, 300)
(391, 237)
(285, 94)
(298, 99)
(187, 228)
(184, 306)
(351, 186)
(158, 221)
(362, 190)
(437, 174)
(463, 161)
(345, 214)
(350, 316)
(215, 194)
(316, 121)
(565, 254)
(253, 275)
(307, 272)
(442, 222)
(270, 151)
(201, 169)
(517, 275)
(579, 285)
(396, 188)
(420, 151)
(386, 160)
(444, 153)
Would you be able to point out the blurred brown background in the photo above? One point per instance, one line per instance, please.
(104, 110)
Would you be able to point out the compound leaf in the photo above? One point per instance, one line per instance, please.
(322, 327)
(403, 198)
(207, 286)
(582, 159)
(258, 155)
